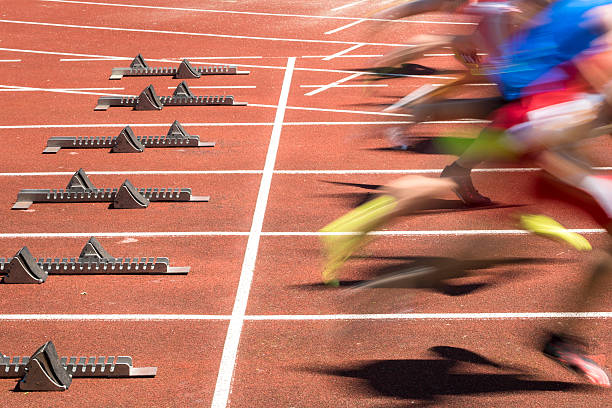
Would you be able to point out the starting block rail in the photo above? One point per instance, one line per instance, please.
(81, 190)
(149, 100)
(139, 68)
(93, 260)
(46, 371)
(127, 141)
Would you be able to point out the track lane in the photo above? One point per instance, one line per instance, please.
(185, 353)
(333, 364)
(208, 288)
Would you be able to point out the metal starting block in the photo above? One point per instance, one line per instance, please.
(46, 371)
(128, 142)
(185, 70)
(81, 190)
(149, 100)
(93, 260)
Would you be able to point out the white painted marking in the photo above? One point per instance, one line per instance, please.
(448, 55)
(207, 124)
(344, 56)
(348, 5)
(348, 86)
(258, 105)
(257, 13)
(88, 59)
(349, 25)
(483, 84)
(27, 88)
(129, 240)
(218, 87)
(440, 316)
(10, 60)
(65, 53)
(207, 172)
(421, 171)
(22, 89)
(230, 348)
(154, 234)
(316, 317)
(136, 172)
(178, 61)
(230, 58)
(331, 85)
(341, 53)
(185, 33)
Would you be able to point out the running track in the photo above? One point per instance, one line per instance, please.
(250, 326)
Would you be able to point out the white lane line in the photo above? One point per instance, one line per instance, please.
(349, 25)
(178, 61)
(135, 172)
(316, 317)
(295, 172)
(341, 53)
(348, 86)
(229, 58)
(348, 5)
(332, 84)
(259, 105)
(344, 56)
(218, 87)
(256, 105)
(439, 316)
(232, 340)
(154, 234)
(482, 84)
(90, 59)
(22, 89)
(185, 33)
(10, 60)
(304, 108)
(206, 124)
(54, 90)
(122, 125)
(448, 55)
(252, 13)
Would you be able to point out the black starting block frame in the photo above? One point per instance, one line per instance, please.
(80, 189)
(46, 371)
(93, 260)
(128, 142)
(149, 100)
(139, 68)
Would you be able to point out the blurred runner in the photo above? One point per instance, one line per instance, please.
(556, 103)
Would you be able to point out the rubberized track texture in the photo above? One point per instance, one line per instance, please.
(251, 325)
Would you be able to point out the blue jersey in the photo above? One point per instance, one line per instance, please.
(560, 33)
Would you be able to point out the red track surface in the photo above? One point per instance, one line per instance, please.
(297, 362)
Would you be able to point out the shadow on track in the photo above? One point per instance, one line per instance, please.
(453, 373)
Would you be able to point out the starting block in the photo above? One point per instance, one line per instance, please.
(80, 189)
(46, 371)
(93, 260)
(149, 100)
(127, 141)
(185, 70)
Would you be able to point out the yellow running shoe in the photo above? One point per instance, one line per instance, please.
(547, 227)
(348, 233)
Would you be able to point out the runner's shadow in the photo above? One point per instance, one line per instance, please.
(434, 273)
(381, 73)
(455, 373)
(426, 206)
(454, 146)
